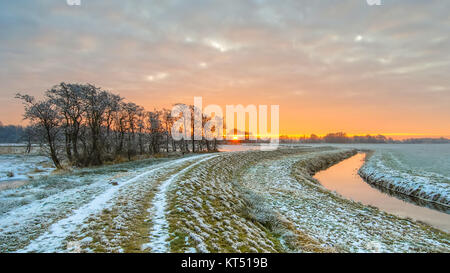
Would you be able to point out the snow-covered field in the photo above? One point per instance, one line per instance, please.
(418, 170)
(387, 170)
(248, 201)
(333, 223)
(23, 167)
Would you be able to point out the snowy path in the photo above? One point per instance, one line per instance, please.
(160, 232)
(53, 239)
(221, 202)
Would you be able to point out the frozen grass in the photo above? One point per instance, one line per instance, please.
(27, 212)
(250, 201)
(335, 223)
(124, 223)
(23, 167)
(207, 212)
(159, 233)
(390, 169)
(418, 170)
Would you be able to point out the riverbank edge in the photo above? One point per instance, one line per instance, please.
(391, 185)
(305, 169)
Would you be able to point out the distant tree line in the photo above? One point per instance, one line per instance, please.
(86, 126)
(342, 137)
(441, 140)
(11, 133)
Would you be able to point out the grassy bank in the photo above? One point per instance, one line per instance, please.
(252, 201)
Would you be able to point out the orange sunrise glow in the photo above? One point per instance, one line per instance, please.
(360, 79)
(206, 135)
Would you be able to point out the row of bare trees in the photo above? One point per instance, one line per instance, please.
(85, 125)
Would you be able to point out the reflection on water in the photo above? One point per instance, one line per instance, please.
(411, 199)
(344, 179)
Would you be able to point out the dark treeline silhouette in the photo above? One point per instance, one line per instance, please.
(83, 125)
(86, 126)
(11, 133)
(342, 137)
(441, 140)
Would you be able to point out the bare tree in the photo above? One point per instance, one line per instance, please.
(141, 128)
(96, 104)
(114, 107)
(131, 112)
(93, 125)
(44, 115)
(168, 121)
(68, 98)
(155, 130)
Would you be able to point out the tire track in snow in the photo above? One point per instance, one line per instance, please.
(160, 232)
(52, 240)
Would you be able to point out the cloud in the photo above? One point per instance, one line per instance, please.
(156, 51)
(157, 76)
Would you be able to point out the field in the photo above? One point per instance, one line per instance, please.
(23, 167)
(250, 201)
(418, 170)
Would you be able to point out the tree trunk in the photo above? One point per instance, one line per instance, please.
(68, 147)
(53, 150)
(167, 142)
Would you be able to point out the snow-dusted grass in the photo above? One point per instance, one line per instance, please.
(249, 201)
(27, 212)
(159, 234)
(208, 209)
(388, 170)
(23, 167)
(334, 222)
(52, 240)
(421, 171)
(124, 223)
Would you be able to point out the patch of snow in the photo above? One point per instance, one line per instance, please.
(159, 234)
(52, 240)
(386, 170)
(22, 167)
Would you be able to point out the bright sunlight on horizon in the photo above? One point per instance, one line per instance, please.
(385, 73)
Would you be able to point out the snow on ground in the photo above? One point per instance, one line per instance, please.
(334, 222)
(418, 170)
(385, 169)
(208, 209)
(52, 240)
(28, 212)
(23, 167)
(248, 201)
(160, 233)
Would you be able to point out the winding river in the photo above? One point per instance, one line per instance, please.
(343, 178)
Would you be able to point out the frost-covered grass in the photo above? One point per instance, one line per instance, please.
(333, 222)
(421, 171)
(23, 167)
(28, 212)
(248, 201)
(208, 210)
(413, 171)
(120, 222)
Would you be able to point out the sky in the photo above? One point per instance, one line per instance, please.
(331, 65)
